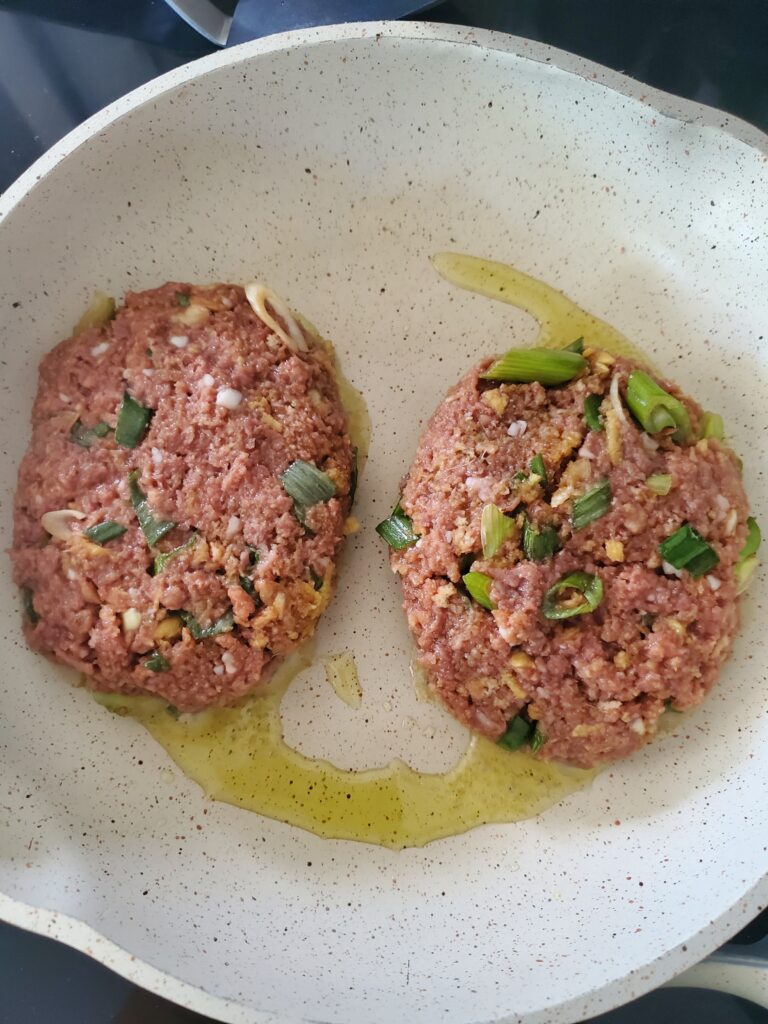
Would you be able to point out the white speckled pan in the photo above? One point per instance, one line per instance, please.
(333, 162)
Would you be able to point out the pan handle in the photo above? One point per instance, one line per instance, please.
(735, 970)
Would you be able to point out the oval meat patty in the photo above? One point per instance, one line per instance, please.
(583, 686)
(183, 498)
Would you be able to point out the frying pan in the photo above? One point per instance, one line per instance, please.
(650, 213)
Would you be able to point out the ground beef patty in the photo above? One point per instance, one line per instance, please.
(589, 687)
(231, 402)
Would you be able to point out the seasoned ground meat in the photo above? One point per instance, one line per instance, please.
(219, 404)
(590, 687)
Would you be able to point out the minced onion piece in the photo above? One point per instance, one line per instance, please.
(743, 571)
(397, 530)
(495, 528)
(307, 484)
(105, 531)
(655, 409)
(659, 483)
(85, 436)
(479, 588)
(152, 528)
(518, 731)
(592, 405)
(164, 557)
(258, 295)
(99, 312)
(712, 426)
(592, 505)
(547, 366)
(132, 422)
(538, 467)
(614, 395)
(58, 522)
(157, 663)
(583, 582)
(224, 624)
(540, 544)
(686, 549)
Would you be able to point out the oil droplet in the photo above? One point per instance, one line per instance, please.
(341, 673)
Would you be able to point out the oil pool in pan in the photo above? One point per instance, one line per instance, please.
(238, 754)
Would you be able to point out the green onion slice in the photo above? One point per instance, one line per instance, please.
(592, 405)
(317, 581)
(538, 739)
(495, 528)
(253, 555)
(157, 663)
(547, 366)
(182, 299)
(223, 625)
(103, 532)
(655, 409)
(28, 605)
(592, 505)
(479, 588)
(353, 477)
(538, 467)
(165, 557)
(591, 587)
(575, 346)
(687, 549)
(743, 571)
(247, 584)
(85, 436)
(753, 540)
(307, 484)
(132, 422)
(153, 529)
(397, 531)
(518, 731)
(659, 483)
(540, 544)
(712, 426)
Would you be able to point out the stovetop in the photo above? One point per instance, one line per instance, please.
(61, 60)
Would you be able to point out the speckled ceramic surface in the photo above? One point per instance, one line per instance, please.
(333, 162)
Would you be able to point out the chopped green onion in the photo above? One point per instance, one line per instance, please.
(182, 299)
(223, 625)
(317, 581)
(538, 739)
(743, 571)
(27, 602)
(581, 582)
(753, 539)
(307, 485)
(659, 483)
(519, 477)
(85, 436)
(712, 426)
(102, 532)
(253, 555)
(495, 528)
(669, 705)
(592, 405)
(538, 467)
(172, 711)
(165, 557)
(518, 731)
(132, 422)
(397, 531)
(479, 588)
(353, 477)
(153, 529)
(592, 505)
(157, 663)
(247, 584)
(687, 549)
(575, 346)
(547, 366)
(655, 409)
(540, 544)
